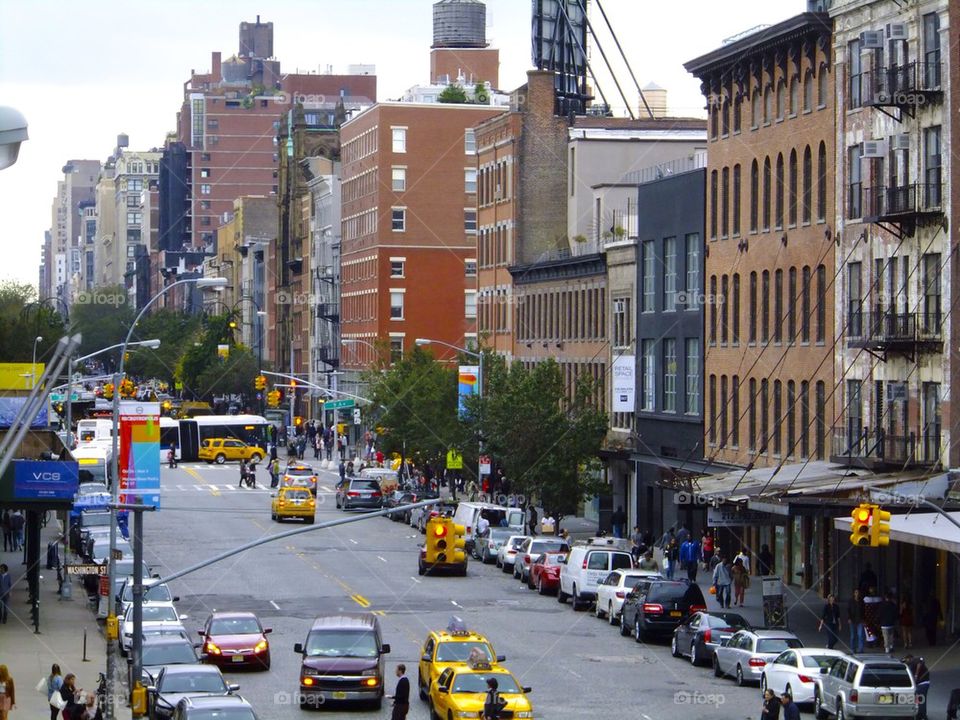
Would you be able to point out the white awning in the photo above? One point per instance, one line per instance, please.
(930, 530)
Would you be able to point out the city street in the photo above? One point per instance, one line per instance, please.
(578, 666)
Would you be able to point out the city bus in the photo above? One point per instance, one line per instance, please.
(189, 433)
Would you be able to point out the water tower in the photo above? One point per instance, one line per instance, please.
(460, 44)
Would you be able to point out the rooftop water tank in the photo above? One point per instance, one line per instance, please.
(459, 24)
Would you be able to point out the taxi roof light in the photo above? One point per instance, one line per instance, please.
(457, 626)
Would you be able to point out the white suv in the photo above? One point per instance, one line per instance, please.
(587, 566)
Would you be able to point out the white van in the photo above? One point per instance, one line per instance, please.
(94, 462)
(468, 513)
(589, 565)
(96, 431)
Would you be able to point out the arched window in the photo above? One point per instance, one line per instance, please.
(714, 118)
(792, 306)
(725, 117)
(778, 198)
(724, 309)
(755, 110)
(823, 87)
(768, 104)
(777, 415)
(808, 88)
(725, 202)
(713, 310)
(807, 201)
(713, 204)
(822, 182)
(792, 179)
(736, 199)
(765, 307)
(781, 99)
(805, 305)
(737, 110)
(766, 193)
(794, 95)
(752, 309)
(754, 195)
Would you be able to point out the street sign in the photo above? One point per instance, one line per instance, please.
(60, 397)
(117, 554)
(356, 416)
(454, 460)
(484, 464)
(338, 404)
(88, 569)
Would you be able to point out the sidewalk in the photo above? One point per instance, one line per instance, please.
(62, 624)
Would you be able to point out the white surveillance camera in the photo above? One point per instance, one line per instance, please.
(13, 131)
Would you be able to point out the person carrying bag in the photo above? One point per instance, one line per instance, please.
(493, 704)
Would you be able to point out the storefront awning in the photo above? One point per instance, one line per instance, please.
(930, 530)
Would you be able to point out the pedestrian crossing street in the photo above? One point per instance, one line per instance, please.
(188, 472)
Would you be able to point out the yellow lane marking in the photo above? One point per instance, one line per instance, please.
(381, 613)
(193, 473)
(360, 600)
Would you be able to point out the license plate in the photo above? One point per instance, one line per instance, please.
(675, 613)
(339, 695)
(885, 699)
(237, 658)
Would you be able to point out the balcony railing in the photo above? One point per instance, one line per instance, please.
(895, 202)
(904, 85)
(889, 328)
(862, 446)
(328, 310)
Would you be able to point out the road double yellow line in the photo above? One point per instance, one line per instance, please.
(194, 474)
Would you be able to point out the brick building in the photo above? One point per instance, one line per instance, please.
(460, 49)
(770, 245)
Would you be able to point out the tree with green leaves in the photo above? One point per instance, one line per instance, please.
(23, 319)
(103, 320)
(454, 94)
(205, 374)
(481, 95)
(176, 331)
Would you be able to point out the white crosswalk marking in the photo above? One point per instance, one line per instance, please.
(230, 487)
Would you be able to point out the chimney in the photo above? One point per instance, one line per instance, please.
(215, 67)
(656, 98)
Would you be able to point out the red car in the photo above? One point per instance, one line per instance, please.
(235, 639)
(545, 572)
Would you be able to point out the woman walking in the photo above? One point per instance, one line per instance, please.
(906, 623)
(741, 581)
(54, 683)
(8, 694)
(71, 694)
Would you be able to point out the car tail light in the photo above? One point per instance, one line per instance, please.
(526, 559)
(653, 609)
(698, 608)
(584, 562)
(708, 635)
(374, 494)
(353, 494)
(757, 662)
(805, 678)
(468, 527)
(621, 594)
(854, 696)
(212, 648)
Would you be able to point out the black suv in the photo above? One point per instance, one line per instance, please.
(655, 608)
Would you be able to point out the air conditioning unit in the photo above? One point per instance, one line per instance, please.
(896, 31)
(874, 149)
(900, 142)
(499, 193)
(871, 39)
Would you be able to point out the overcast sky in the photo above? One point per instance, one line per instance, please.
(84, 72)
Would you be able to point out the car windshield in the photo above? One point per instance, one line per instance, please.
(499, 534)
(342, 643)
(542, 546)
(199, 682)
(477, 683)
(155, 593)
(156, 613)
(178, 654)
(225, 714)
(234, 626)
(818, 661)
(460, 651)
(777, 645)
(365, 485)
(881, 676)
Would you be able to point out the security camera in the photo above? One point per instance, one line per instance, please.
(13, 131)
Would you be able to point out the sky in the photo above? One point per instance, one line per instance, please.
(82, 73)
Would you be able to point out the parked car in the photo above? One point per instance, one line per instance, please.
(612, 591)
(154, 616)
(468, 514)
(587, 566)
(174, 682)
(419, 517)
(545, 572)
(654, 608)
(797, 671)
(219, 450)
(398, 498)
(703, 632)
(230, 707)
(154, 593)
(746, 654)
(359, 493)
(235, 639)
(507, 554)
(531, 548)
(870, 686)
(486, 551)
(158, 651)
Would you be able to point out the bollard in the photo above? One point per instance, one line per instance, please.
(85, 646)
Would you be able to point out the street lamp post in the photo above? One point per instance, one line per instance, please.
(115, 468)
(33, 366)
(479, 356)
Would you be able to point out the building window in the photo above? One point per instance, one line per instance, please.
(724, 404)
(752, 416)
(932, 167)
(470, 268)
(791, 417)
(764, 414)
(931, 293)
(712, 410)
(822, 183)
(648, 372)
(470, 220)
(713, 205)
(737, 111)
(724, 301)
(735, 411)
(854, 299)
(573, 171)
(693, 270)
(470, 303)
(398, 219)
(670, 261)
(669, 375)
(399, 139)
(205, 157)
(469, 142)
(622, 329)
(712, 302)
(204, 189)
(855, 70)
(931, 51)
(725, 117)
(777, 415)
(133, 200)
(792, 306)
(765, 307)
(735, 310)
(781, 99)
(692, 394)
(397, 267)
(736, 200)
(821, 425)
(396, 305)
(794, 95)
(821, 303)
(752, 310)
(648, 276)
(804, 419)
(755, 110)
(725, 203)
(470, 180)
(754, 195)
(766, 193)
(778, 306)
(778, 199)
(213, 124)
(805, 306)
(792, 189)
(808, 91)
(396, 349)
(854, 206)
(823, 87)
(768, 105)
(806, 203)
(204, 172)
(134, 218)
(398, 179)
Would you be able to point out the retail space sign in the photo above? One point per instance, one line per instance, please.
(484, 464)
(467, 385)
(39, 480)
(624, 383)
(735, 517)
(454, 460)
(140, 453)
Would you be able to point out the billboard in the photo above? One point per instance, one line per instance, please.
(624, 383)
(10, 406)
(140, 452)
(38, 480)
(20, 376)
(467, 385)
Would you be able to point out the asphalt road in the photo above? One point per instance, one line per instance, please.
(578, 666)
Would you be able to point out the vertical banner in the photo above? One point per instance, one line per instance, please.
(624, 383)
(140, 453)
(467, 385)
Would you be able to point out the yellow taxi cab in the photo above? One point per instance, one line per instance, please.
(461, 689)
(445, 648)
(298, 475)
(292, 502)
(219, 450)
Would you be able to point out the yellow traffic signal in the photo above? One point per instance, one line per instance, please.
(273, 398)
(860, 529)
(298, 421)
(880, 528)
(459, 543)
(260, 382)
(436, 540)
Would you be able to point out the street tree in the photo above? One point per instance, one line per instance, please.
(177, 331)
(23, 319)
(103, 321)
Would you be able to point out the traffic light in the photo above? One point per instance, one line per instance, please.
(459, 543)
(273, 398)
(108, 391)
(860, 528)
(437, 540)
(293, 385)
(880, 528)
(260, 382)
(298, 421)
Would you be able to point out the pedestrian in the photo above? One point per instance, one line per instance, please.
(533, 520)
(274, 453)
(301, 446)
(771, 706)
(790, 709)
(6, 584)
(741, 581)
(830, 619)
(493, 704)
(648, 563)
(8, 693)
(765, 561)
(921, 675)
(316, 446)
(671, 556)
(665, 539)
(618, 519)
(906, 623)
(7, 531)
(744, 557)
(887, 617)
(16, 526)
(172, 456)
(274, 472)
(401, 695)
(636, 543)
(54, 681)
(70, 694)
(932, 616)
(243, 472)
(690, 558)
(706, 551)
(722, 579)
(855, 621)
